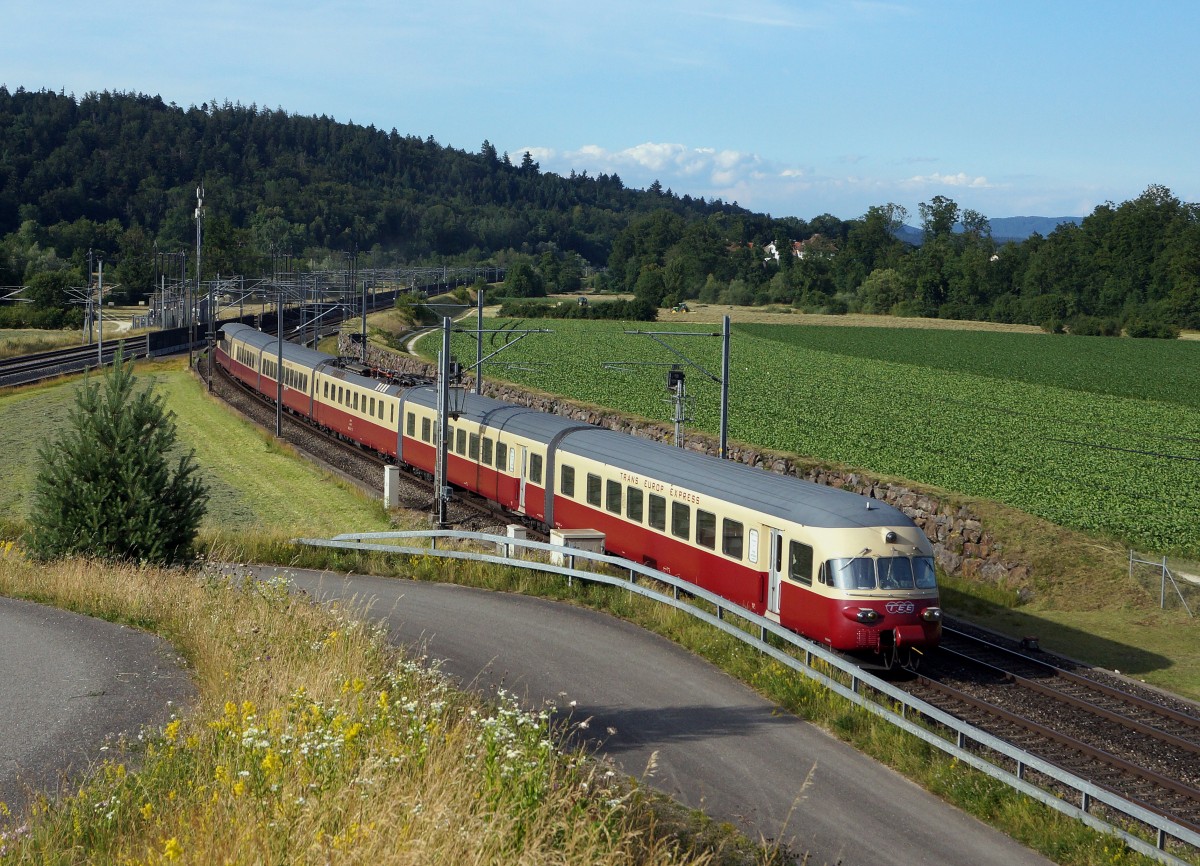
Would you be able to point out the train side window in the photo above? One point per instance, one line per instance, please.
(501, 456)
(486, 457)
(800, 563)
(372, 412)
(681, 520)
(566, 480)
(731, 538)
(706, 529)
(355, 406)
(473, 446)
(535, 468)
(393, 413)
(593, 490)
(633, 503)
(410, 429)
(340, 395)
(612, 496)
(460, 441)
(658, 512)
(426, 429)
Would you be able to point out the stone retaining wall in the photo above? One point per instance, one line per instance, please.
(962, 545)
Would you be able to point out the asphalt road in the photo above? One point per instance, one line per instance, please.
(68, 683)
(717, 745)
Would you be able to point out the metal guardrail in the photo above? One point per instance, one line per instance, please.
(890, 703)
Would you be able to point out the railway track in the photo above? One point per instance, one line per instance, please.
(1136, 743)
(40, 366)
(355, 464)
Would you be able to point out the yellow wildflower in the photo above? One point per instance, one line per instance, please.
(271, 762)
(172, 730)
(172, 850)
(147, 810)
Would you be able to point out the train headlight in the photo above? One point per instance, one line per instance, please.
(867, 615)
(932, 614)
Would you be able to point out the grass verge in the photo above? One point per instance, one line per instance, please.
(313, 741)
(1042, 829)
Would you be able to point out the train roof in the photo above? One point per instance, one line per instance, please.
(499, 415)
(306, 357)
(783, 496)
(268, 342)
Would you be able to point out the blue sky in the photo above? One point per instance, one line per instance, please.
(795, 107)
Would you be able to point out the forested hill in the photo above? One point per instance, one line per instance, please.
(294, 184)
(117, 173)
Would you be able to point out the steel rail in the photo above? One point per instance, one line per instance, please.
(1079, 747)
(1190, 721)
(1125, 721)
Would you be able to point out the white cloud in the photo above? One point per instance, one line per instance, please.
(702, 167)
(961, 179)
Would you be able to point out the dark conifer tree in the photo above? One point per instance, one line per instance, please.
(107, 487)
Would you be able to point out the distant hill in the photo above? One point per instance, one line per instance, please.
(1003, 228)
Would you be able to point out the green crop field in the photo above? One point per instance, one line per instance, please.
(1095, 434)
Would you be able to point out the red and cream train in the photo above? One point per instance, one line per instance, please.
(850, 572)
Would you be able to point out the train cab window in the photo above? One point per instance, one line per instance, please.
(924, 572)
(800, 563)
(633, 503)
(566, 480)
(681, 520)
(460, 441)
(410, 428)
(612, 496)
(486, 457)
(856, 573)
(473, 446)
(501, 456)
(535, 468)
(894, 572)
(731, 538)
(706, 529)
(426, 429)
(658, 512)
(593, 490)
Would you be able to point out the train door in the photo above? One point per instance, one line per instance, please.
(774, 571)
(522, 460)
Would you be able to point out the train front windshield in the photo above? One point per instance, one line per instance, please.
(884, 572)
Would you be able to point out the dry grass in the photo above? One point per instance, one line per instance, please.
(313, 742)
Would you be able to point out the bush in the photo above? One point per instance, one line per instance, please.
(1151, 329)
(1093, 326)
(105, 488)
(635, 310)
